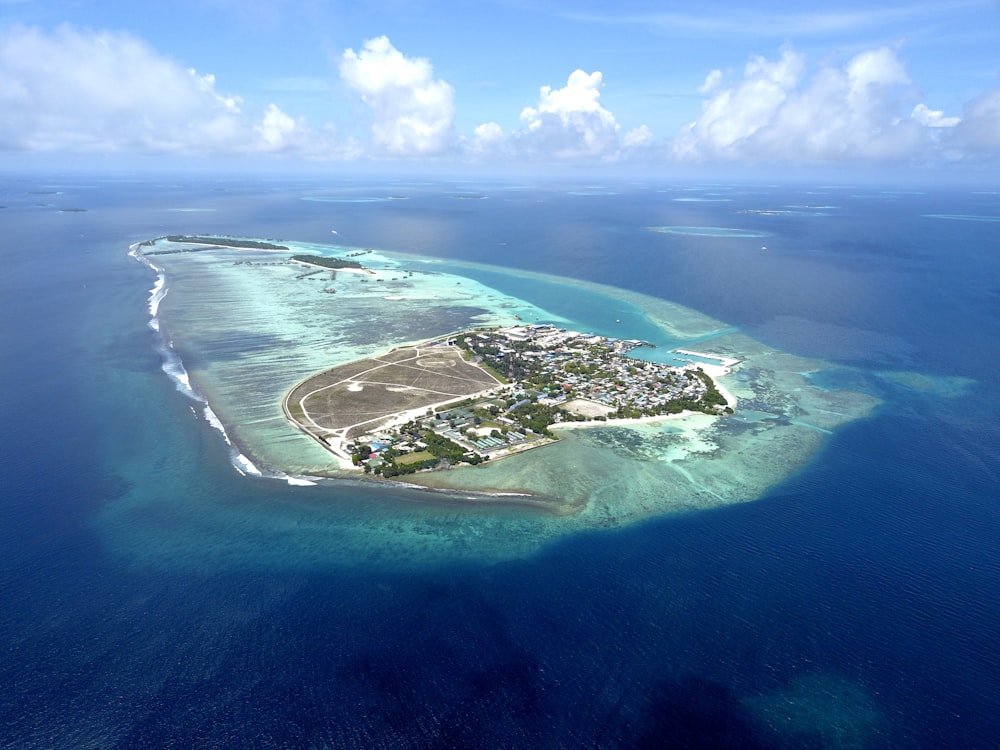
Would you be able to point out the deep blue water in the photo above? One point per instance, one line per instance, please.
(864, 591)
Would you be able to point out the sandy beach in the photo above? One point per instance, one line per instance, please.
(611, 422)
(336, 440)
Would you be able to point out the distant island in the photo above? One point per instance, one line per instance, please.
(483, 394)
(210, 242)
(323, 261)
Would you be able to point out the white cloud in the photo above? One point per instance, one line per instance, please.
(569, 122)
(933, 118)
(414, 113)
(489, 132)
(839, 113)
(638, 137)
(73, 89)
(566, 123)
(276, 129)
(489, 140)
(734, 115)
(712, 81)
(980, 128)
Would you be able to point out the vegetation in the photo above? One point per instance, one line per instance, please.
(535, 417)
(225, 242)
(443, 448)
(554, 383)
(440, 451)
(712, 399)
(400, 467)
(415, 458)
(490, 364)
(295, 410)
(331, 263)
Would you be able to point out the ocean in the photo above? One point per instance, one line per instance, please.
(151, 595)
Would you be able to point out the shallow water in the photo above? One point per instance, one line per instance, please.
(249, 325)
(154, 597)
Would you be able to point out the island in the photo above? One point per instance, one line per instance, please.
(326, 262)
(203, 244)
(483, 394)
(415, 386)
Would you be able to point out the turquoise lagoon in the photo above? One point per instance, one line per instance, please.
(240, 327)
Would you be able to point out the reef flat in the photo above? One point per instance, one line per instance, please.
(242, 325)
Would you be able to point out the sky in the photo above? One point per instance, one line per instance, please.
(645, 87)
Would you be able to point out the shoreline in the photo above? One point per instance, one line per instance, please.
(538, 485)
(333, 444)
(629, 421)
(334, 440)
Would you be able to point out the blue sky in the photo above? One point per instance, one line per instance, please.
(648, 86)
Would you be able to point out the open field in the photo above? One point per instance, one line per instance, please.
(352, 399)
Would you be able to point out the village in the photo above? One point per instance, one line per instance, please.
(546, 377)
